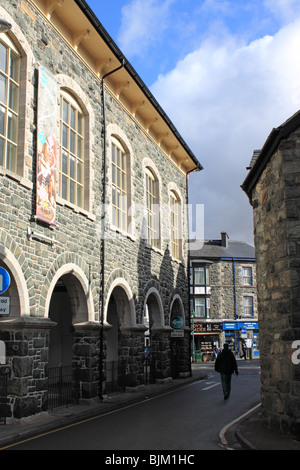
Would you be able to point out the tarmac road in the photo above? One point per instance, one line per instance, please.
(188, 418)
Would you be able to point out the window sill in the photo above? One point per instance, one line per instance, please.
(62, 202)
(14, 176)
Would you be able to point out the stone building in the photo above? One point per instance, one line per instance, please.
(223, 296)
(93, 179)
(273, 188)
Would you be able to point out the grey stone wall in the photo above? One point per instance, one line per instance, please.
(36, 266)
(224, 292)
(276, 206)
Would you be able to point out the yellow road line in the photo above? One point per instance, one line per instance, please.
(96, 417)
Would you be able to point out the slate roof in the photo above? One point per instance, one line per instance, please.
(212, 249)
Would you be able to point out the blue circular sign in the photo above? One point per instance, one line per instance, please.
(177, 322)
(4, 280)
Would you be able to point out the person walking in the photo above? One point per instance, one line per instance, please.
(226, 365)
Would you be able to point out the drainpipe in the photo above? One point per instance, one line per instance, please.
(191, 324)
(103, 230)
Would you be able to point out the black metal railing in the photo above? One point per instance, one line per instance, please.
(3, 395)
(63, 386)
(119, 374)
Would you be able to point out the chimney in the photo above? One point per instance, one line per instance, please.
(224, 239)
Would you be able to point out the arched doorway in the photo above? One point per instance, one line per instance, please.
(177, 341)
(69, 363)
(61, 336)
(119, 317)
(153, 319)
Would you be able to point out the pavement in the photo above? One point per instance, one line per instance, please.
(248, 431)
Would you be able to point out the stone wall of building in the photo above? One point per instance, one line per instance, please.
(228, 289)
(136, 275)
(276, 206)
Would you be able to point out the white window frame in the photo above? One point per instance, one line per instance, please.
(72, 154)
(119, 185)
(152, 208)
(247, 278)
(6, 109)
(248, 305)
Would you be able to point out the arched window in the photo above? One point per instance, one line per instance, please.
(71, 174)
(119, 185)
(175, 210)
(9, 102)
(152, 206)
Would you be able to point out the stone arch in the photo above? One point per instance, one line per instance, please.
(177, 303)
(155, 306)
(15, 261)
(124, 299)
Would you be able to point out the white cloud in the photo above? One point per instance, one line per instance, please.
(143, 24)
(285, 10)
(225, 98)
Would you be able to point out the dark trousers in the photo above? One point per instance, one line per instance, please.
(226, 384)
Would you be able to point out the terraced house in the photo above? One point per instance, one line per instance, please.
(93, 233)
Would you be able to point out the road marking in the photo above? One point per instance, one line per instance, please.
(105, 413)
(223, 431)
(211, 386)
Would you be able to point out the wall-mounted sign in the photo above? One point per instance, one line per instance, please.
(249, 325)
(4, 280)
(177, 334)
(4, 305)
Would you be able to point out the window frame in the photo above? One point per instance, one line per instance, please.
(152, 208)
(246, 298)
(122, 170)
(200, 290)
(175, 225)
(79, 158)
(10, 83)
(245, 277)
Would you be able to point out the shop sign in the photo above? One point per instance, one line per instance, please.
(248, 325)
(229, 326)
(207, 327)
(240, 326)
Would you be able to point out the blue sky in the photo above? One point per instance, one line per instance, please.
(226, 72)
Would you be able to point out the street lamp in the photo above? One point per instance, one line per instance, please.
(4, 26)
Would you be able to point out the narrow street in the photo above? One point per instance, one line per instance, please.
(189, 418)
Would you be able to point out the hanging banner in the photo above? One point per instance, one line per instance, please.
(46, 148)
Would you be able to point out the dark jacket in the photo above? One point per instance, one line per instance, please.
(226, 363)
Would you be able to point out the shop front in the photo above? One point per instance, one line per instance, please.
(206, 338)
(242, 337)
